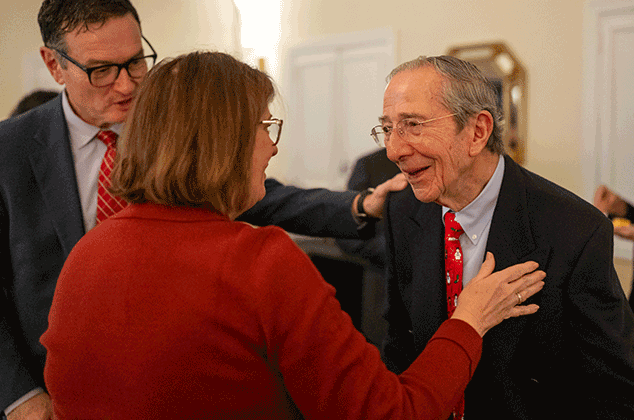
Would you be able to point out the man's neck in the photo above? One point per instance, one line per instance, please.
(471, 185)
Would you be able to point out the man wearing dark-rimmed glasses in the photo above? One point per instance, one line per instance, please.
(49, 180)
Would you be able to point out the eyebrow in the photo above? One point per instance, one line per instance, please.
(402, 116)
(99, 63)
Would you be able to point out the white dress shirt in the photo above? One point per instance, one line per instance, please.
(88, 152)
(475, 220)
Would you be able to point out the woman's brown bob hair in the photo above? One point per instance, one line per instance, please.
(189, 138)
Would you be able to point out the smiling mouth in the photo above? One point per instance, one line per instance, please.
(415, 173)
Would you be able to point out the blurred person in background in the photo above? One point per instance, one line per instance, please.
(33, 99)
(620, 212)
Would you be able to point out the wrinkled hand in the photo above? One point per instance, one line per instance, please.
(608, 202)
(374, 203)
(36, 408)
(625, 232)
(489, 299)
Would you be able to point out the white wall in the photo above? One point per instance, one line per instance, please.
(546, 36)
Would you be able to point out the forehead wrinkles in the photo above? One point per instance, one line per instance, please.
(413, 92)
(114, 39)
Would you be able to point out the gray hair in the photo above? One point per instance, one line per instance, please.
(465, 92)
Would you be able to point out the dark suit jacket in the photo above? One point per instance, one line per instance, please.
(41, 221)
(574, 358)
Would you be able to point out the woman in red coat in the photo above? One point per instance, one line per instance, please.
(171, 309)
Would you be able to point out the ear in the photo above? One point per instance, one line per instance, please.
(52, 64)
(481, 132)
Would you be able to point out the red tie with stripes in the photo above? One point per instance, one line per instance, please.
(453, 271)
(107, 204)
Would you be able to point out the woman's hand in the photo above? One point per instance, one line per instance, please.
(489, 299)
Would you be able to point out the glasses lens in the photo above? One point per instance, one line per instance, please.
(411, 127)
(274, 132)
(379, 135)
(138, 68)
(104, 75)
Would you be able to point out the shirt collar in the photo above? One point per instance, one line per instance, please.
(476, 216)
(81, 133)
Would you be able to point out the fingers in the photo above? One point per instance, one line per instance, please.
(527, 287)
(373, 203)
(518, 271)
(487, 266)
(526, 290)
(396, 183)
(522, 310)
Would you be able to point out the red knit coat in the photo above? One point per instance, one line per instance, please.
(182, 313)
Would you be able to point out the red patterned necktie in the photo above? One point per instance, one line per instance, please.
(453, 272)
(107, 204)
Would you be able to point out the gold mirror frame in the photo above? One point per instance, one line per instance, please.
(501, 66)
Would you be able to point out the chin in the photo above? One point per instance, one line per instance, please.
(424, 195)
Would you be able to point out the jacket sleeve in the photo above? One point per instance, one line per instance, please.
(311, 212)
(330, 369)
(15, 378)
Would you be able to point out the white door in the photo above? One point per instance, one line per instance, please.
(337, 89)
(609, 101)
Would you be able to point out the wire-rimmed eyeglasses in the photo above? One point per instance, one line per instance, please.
(107, 74)
(408, 128)
(274, 127)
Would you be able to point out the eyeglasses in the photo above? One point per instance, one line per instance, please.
(107, 74)
(409, 128)
(274, 127)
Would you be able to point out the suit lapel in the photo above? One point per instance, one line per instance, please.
(53, 168)
(511, 241)
(428, 305)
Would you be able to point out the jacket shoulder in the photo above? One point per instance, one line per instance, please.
(21, 130)
(553, 204)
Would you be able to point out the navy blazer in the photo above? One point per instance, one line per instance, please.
(573, 358)
(41, 220)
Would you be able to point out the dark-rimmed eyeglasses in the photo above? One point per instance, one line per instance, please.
(408, 128)
(274, 127)
(107, 74)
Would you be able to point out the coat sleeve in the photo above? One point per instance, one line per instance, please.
(330, 369)
(311, 212)
(15, 377)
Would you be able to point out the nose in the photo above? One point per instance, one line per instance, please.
(275, 150)
(397, 147)
(124, 83)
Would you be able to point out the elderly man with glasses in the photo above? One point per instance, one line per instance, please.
(573, 358)
(54, 175)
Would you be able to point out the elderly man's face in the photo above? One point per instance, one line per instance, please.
(436, 162)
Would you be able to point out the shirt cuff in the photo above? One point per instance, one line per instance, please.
(25, 398)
